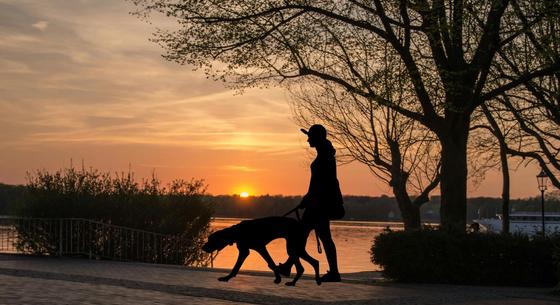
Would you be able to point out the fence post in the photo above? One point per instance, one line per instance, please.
(90, 233)
(71, 236)
(60, 237)
(155, 249)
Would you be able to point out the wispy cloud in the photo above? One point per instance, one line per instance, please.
(93, 76)
(242, 168)
(40, 25)
(81, 76)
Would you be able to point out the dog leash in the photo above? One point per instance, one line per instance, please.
(318, 243)
(296, 210)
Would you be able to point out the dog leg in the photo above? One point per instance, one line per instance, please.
(285, 268)
(294, 242)
(314, 263)
(299, 272)
(243, 253)
(264, 253)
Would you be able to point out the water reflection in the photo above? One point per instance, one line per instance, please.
(353, 242)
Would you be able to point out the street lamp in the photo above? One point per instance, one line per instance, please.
(541, 179)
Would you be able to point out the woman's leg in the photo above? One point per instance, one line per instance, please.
(323, 231)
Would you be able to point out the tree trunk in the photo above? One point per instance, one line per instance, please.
(409, 211)
(453, 183)
(505, 190)
(504, 166)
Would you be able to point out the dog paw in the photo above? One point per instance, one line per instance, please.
(277, 280)
(318, 281)
(284, 270)
(223, 279)
(290, 284)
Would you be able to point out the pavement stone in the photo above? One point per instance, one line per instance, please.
(44, 280)
(38, 291)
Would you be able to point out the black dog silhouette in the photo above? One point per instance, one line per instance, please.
(256, 234)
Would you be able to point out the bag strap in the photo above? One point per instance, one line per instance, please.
(318, 243)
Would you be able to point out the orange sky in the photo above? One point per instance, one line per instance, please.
(81, 81)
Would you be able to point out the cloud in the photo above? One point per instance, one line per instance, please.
(241, 168)
(40, 25)
(91, 75)
(9, 67)
(80, 79)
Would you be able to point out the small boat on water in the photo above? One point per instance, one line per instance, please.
(529, 223)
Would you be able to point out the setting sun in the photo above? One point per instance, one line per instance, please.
(244, 194)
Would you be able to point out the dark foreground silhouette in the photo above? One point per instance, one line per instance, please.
(323, 201)
(256, 234)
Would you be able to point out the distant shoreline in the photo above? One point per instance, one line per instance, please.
(339, 223)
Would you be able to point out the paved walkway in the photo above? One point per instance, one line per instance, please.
(40, 280)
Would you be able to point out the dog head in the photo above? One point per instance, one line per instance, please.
(219, 240)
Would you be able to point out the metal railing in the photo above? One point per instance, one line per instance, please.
(88, 238)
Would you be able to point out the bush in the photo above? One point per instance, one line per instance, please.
(179, 209)
(433, 256)
(10, 196)
(556, 257)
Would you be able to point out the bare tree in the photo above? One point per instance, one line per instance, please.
(447, 47)
(397, 150)
(534, 140)
(526, 120)
(495, 146)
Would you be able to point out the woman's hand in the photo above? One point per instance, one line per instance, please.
(304, 202)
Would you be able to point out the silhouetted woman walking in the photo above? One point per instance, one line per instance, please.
(323, 201)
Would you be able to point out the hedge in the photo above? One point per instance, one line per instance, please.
(434, 256)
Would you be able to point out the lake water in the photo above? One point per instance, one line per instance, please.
(353, 241)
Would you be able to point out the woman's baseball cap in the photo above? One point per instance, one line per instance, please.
(316, 131)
